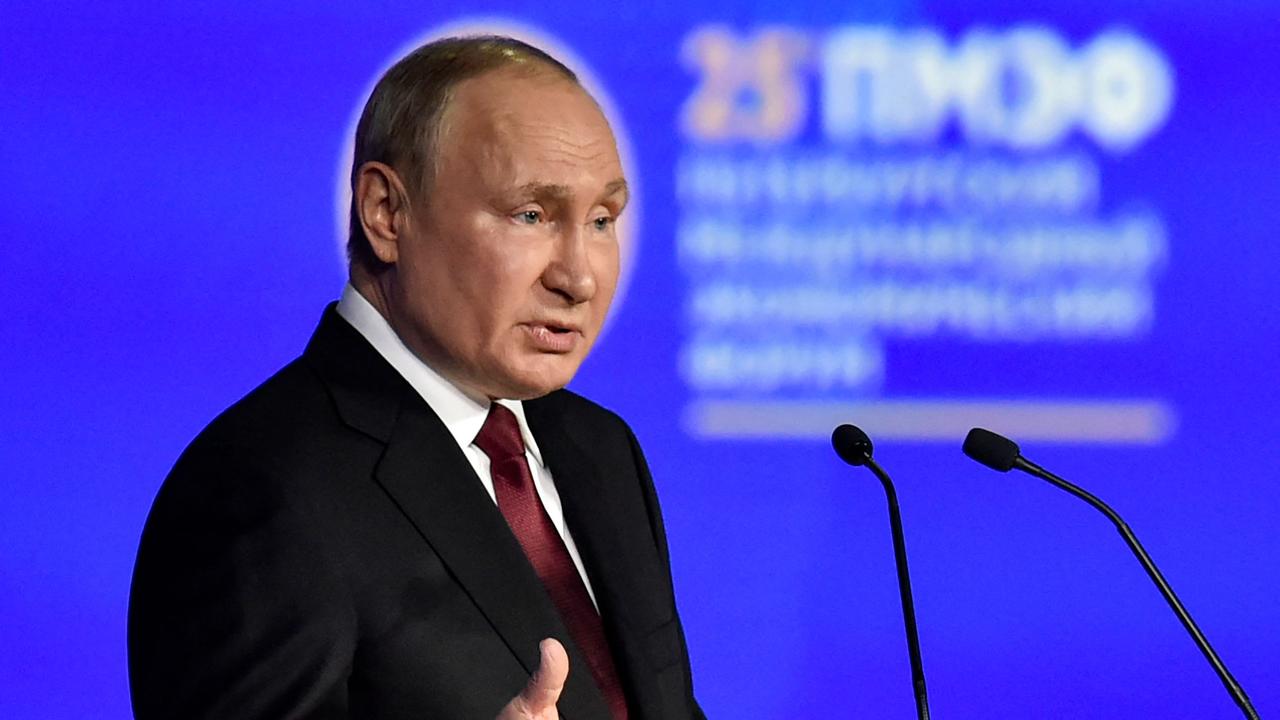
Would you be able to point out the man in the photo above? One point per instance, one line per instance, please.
(413, 519)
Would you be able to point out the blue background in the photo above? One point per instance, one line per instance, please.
(169, 241)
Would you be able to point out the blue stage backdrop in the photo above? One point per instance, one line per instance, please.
(1054, 219)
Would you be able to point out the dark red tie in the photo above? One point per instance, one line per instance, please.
(519, 503)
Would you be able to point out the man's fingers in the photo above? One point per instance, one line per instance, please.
(543, 690)
(538, 699)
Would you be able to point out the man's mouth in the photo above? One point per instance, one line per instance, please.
(553, 337)
(557, 327)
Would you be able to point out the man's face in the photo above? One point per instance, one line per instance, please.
(505, 272)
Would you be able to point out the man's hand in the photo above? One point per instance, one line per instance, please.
(538, 699)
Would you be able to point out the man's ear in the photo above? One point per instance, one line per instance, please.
(382, 204)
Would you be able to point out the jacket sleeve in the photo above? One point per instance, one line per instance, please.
(238, 608)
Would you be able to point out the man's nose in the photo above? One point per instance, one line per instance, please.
(570, 273)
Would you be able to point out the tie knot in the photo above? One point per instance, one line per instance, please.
(500, 437)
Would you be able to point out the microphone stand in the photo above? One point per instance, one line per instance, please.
(904, 589)
(1233, 687)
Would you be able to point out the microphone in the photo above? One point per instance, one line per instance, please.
(854, 447)
(1000, 453)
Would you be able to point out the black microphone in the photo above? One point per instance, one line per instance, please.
(1000, 453)
(854, 447)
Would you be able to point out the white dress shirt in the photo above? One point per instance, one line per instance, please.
(462, 415)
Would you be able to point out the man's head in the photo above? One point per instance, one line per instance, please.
(484, 195)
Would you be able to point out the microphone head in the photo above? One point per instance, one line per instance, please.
(995, 451)
(851, 444)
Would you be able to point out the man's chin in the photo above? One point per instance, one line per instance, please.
(534, 382)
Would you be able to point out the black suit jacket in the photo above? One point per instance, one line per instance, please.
(324, 549)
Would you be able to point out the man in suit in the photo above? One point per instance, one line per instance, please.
(414, 519)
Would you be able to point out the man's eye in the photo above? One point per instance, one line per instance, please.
(603, 223)
(529, 217)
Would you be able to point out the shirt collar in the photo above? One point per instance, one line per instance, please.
(462, 415)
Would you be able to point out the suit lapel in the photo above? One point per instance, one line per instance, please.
(426, 474)
(433, 484)
(612, 534)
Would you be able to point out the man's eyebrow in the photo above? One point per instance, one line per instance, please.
(563, 192)
(542, 190)
(615, 187)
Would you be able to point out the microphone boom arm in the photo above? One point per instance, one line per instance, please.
(904, 589)
(1233, 688)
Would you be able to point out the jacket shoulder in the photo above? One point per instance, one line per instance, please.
(580, 412)
(284, 406)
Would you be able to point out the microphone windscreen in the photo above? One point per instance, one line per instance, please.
(851, 444)
(995, 451)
